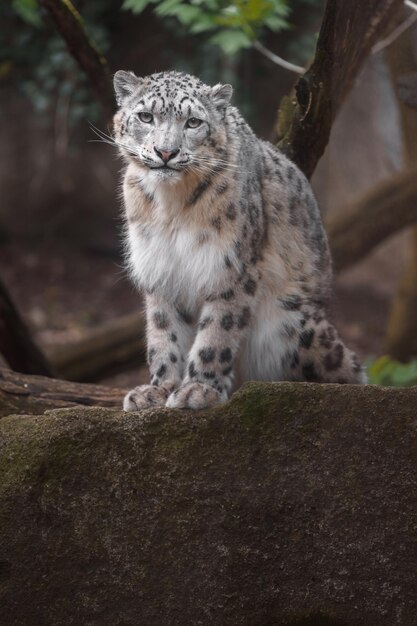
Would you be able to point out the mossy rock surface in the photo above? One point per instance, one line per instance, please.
(291, 504)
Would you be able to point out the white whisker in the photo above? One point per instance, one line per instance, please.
(221, 162)
(108, 139)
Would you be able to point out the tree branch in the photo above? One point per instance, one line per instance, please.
(70, 25)
(397, 32)
(381, 212)
(286, 65)
(348, 32)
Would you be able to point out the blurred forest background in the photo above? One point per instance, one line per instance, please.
(60, 214)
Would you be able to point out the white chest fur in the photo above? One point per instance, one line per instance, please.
(182, 264)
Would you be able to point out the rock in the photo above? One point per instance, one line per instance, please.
(293, 504)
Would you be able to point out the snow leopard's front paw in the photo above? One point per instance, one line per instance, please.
(194, 396)
(145, 396)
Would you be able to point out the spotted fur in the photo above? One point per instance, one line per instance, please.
(225, 238)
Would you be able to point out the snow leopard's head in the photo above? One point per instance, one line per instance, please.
(170, 123)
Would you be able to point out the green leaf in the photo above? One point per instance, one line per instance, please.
(28, 10)
(385, 371)
(205, 23)
(231, 41)
(136, 6)
(185, 13)
(166, 6)
(276, 23)
(255, 10)
(210, 5)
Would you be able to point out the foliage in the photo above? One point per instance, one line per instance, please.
(384, 371)
(232, 25)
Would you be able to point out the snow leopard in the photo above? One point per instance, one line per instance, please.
(225, 239)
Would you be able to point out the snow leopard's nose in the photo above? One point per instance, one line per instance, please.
(166, 155)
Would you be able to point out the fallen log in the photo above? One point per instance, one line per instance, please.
(290, 504)
(381, 212)
(21, 394)
(109, 349)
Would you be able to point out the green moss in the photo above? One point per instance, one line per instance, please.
(253, 408)
(27, 451)
(21, 454)
(257, 402)
(24, 460)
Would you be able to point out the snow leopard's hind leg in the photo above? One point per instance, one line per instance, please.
(321, 355)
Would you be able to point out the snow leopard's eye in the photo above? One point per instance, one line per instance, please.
(145, 117)
(193, 122)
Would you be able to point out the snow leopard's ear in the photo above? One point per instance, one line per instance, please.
(125, 83)
(221, 95)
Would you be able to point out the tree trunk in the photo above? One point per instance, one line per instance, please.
(401, 339)
(348, 32)
(16, 344)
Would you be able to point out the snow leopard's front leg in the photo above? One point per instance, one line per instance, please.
(168, 339)
(223, 324)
